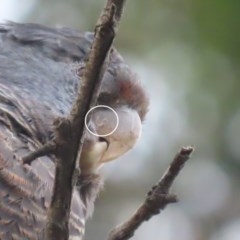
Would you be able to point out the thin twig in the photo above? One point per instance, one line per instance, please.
(157, 199)
(46, 149)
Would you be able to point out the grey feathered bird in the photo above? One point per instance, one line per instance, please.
(39, 71)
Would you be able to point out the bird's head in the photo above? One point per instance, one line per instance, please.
(116, 123)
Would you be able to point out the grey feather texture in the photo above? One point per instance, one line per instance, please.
(38, 82)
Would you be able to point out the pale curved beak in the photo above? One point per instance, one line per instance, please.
(106, 147)
(124, 137)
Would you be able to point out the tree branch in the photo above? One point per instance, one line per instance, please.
(69, 131)
(67, 143)
(46, 149)
(157, 199)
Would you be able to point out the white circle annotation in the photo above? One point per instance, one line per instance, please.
(101, 135)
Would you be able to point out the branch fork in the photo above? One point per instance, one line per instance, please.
(67, 142)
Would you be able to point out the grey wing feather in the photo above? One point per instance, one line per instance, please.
(37, 83)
